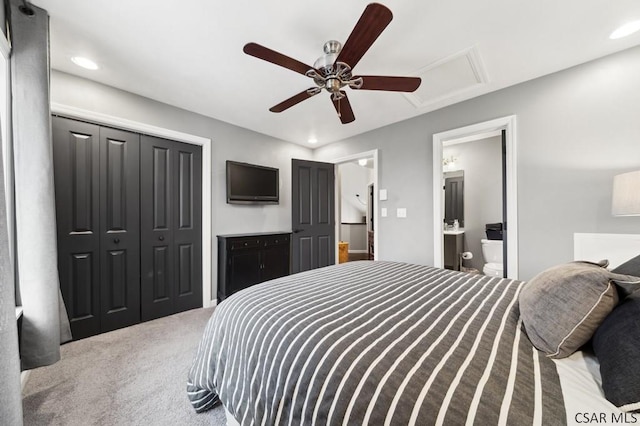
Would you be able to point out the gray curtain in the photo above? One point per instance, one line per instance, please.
(10, 397)
(45, 322)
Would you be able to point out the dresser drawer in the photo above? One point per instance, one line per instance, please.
(244, 243)
(276, 240)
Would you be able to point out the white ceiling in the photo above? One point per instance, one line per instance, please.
(189, 53)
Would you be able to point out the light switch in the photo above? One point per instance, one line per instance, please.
(383, 195)
(383, 212)
(401, 212)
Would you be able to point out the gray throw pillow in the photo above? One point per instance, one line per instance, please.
(616, 343)
(630, 267)
(563, 306)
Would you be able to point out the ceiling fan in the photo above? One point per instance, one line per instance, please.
(333, 70)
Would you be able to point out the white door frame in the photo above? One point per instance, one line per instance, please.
(150, 130)
(467, 134)
(349, 158)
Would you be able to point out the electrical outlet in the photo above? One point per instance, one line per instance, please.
(401, 212)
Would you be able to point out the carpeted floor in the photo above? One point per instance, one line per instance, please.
(133, 376)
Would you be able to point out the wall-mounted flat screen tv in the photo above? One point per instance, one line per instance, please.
(252, 184)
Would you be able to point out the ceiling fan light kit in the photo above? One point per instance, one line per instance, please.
(333, 70)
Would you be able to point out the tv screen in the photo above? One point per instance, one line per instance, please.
(251, 184)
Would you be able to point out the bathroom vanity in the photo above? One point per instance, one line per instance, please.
(453, 246)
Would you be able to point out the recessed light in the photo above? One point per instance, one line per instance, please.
(312, 141)
(625, 30)
(362, 162)
(84, 63)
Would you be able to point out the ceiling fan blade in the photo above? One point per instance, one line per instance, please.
(296, 99)
(392, 84)
(373, 21)
(343, 108)
(274, 57)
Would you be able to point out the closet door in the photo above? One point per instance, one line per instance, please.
(97, 187)
(187, 226)
(120, 228)
(76, 172)
(171, 227)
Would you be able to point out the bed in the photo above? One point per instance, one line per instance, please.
(387, 343)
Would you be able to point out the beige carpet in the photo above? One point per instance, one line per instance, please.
(132, 376)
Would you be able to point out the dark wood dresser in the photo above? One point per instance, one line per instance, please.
(248, 259)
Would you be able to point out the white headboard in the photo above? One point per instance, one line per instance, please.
(617, 248)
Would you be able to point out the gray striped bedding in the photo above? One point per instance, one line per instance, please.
(375, 343)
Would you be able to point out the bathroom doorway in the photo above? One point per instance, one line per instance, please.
(495, 138)
(472, 199)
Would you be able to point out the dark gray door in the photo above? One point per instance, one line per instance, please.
(97, 209)
(76, 154)
(171, 227)
(312, 215)
(187, 226)
(119, 228)
(454, 200)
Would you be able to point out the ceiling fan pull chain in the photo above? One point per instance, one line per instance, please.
(339, 112)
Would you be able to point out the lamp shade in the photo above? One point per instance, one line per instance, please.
(626, 194)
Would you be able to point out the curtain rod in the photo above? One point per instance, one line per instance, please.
(26, 8)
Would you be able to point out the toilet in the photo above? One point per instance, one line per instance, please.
(492, 254)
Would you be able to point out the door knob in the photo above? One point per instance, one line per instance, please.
(116, 240)
(161, 237)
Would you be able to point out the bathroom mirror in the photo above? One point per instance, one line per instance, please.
(454, 197)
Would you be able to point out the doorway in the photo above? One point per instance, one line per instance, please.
(356, 210)
(503, 126)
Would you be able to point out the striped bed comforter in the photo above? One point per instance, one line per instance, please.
(375, 343)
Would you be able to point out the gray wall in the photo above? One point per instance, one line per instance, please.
(404, 167)
(576, 129)
(481, 162)
(355, 235)
(228, 143)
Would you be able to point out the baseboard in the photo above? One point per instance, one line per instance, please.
(24, 378)
(358, 251)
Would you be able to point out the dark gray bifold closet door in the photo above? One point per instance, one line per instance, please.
(97, 213)
(120, 228)
(171, 233)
